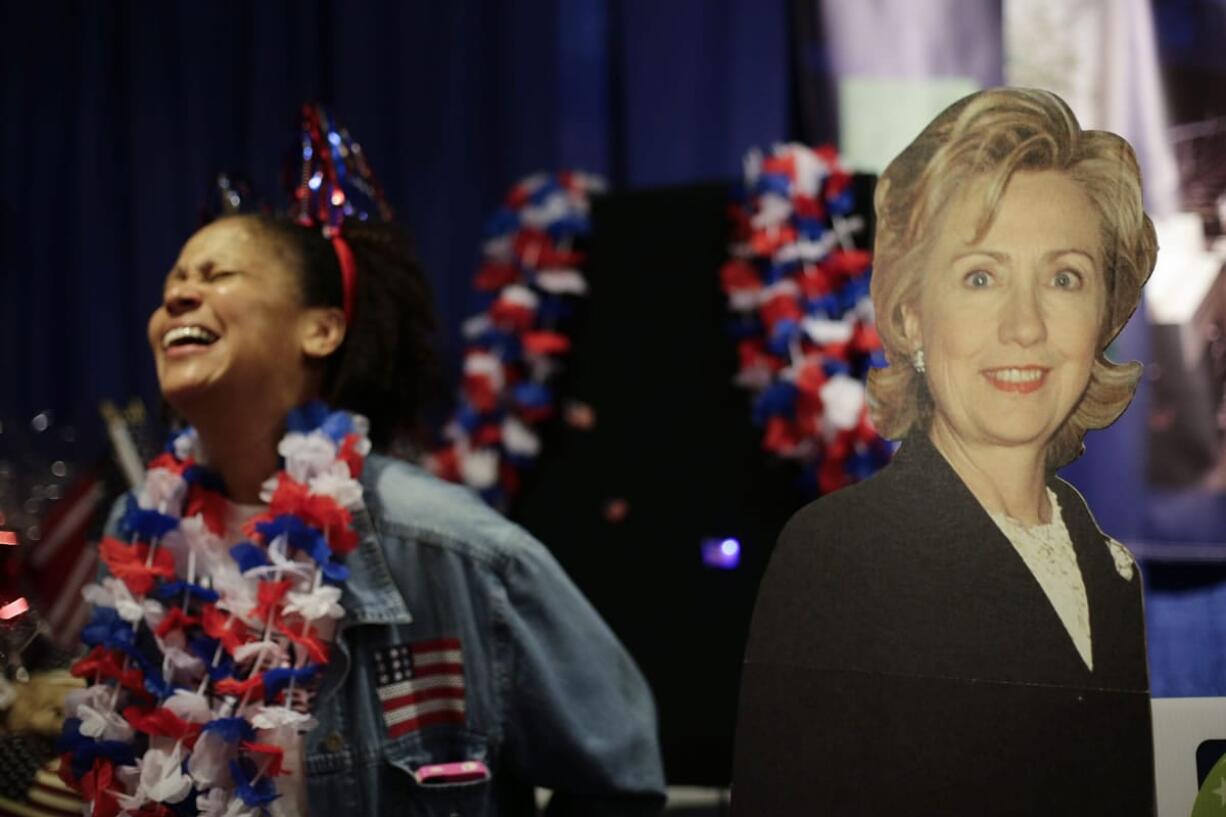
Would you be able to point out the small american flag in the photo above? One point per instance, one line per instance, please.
(420, 684)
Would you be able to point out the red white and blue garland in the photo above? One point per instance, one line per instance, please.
(530, 276)
(803, 319)
(198, 648)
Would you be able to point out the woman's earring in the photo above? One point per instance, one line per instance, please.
(917, 360)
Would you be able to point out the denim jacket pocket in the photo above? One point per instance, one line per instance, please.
(445, 774)
(331, 786)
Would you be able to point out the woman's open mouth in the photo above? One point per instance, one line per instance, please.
(186, 340)
(1017, 379)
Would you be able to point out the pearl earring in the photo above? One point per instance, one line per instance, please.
(917, 360)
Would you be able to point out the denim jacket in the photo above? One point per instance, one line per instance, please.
(548, 696)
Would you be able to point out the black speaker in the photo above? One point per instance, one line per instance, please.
(671, 461)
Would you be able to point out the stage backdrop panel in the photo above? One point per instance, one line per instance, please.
(672, 460)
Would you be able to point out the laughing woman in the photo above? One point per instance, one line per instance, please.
(445, 666)
(955, 635)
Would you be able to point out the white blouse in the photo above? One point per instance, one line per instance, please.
(1050, 557)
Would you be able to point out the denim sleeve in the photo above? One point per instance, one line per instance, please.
(111, 528)
(580, 718)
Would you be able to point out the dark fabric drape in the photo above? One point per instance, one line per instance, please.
(114, 117)
(117, 115)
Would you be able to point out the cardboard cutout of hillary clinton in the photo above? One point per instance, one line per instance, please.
(956, 635)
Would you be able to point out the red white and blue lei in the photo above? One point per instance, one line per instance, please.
(803, 319)
(199, 649)
(530, 275)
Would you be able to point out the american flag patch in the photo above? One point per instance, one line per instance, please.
(420, 684)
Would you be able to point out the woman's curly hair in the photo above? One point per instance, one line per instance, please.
(386, 367)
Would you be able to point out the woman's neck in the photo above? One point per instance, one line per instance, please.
(243, 453)
(1005, 479)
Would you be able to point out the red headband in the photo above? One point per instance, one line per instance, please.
(335, 185)
(349, 274)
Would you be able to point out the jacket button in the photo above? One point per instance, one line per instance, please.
(334, 742)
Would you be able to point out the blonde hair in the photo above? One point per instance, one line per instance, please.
(991, 135)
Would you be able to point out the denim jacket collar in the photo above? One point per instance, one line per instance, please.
(371, 596)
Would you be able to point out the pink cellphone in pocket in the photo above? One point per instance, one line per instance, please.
(465, 771)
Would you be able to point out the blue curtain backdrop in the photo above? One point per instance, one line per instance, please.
(115, 116)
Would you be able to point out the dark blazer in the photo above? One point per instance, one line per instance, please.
(903, 659)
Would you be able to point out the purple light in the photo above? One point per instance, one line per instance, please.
(722, 553)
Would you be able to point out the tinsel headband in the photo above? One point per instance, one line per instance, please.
(349, 274)
(335, 185)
